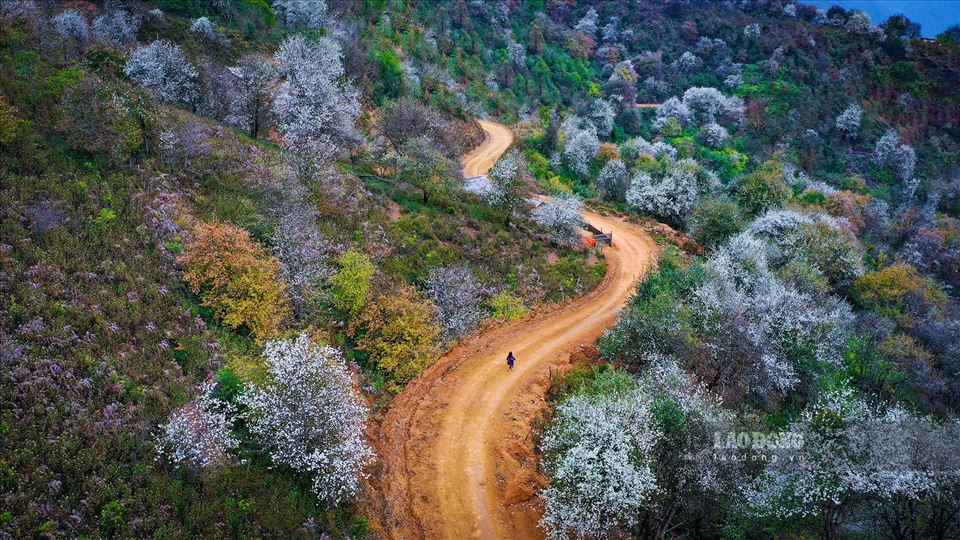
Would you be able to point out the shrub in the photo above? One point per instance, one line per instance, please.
(350, 287)
(507, 306)
(236, 278)
(399, 331)
(713, 222)
(763, 189)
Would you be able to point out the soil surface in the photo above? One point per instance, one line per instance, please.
(455, 448)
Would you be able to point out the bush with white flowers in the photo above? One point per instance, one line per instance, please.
(310, 417)
(198, 435)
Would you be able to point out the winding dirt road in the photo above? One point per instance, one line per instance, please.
(481, 159)
(455, 448)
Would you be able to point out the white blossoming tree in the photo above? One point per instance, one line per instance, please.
(849, 120)
(249, 101)
(581, 147)
(301, 14)
(856, 452)
(900, 158)
(613, 180)
(670, 199)
(116, 28)
(561, 218)
(511, 188)
(198, 435)
(162, 69)
(314, 105)
(635, 455)
(760, 328)
(72, 25)
(602, 115)
(309, 416)
(456, 294)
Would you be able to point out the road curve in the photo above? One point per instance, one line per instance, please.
(455, 448)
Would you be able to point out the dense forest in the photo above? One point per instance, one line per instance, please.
(233, 231)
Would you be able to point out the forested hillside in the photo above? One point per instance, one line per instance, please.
(231, 232)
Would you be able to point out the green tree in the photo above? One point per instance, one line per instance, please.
(712, 222)
(350, 287)
(399, 332)
(424, 166)
(764, 189)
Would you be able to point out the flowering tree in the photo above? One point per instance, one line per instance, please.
(116, 28)
(456, 294)
(613, 180)
(309, 416)
(670, 199)
(204, 29)
(249, 101)
(855, 452)
(899, 157)
(301, 14)
(161, 68)
(598, 460)
(315, 106)
(635, 455)
(511, 187)
(815, 241)
(759, 328)
(198, 435)
(602, 115)
(561, 218)
(72, 25)
(849, 120)
(303, 253)
(714, 135)
(582, 145)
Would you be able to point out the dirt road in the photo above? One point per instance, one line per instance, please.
(481, 159)
(455, 448)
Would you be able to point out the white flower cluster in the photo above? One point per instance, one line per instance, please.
(702, 105)
(310, 417)
(561, 218)
(582, 145)
(72, 24)
(741, 296)
(901, 158)
(116, 28)
(198, 435)
(853, 449)
(301, 14)
(601, 454)
(849, 120)
(456, 294)
(613, 180)
(314, 105)
(670, 199)
(161, 68)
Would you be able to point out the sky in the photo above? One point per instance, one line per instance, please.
(933, 16)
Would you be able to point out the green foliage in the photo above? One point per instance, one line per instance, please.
(763, 189)
(508, 307)
(713, 222)
(350, 287)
